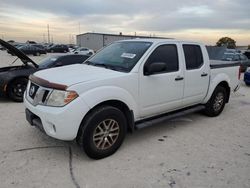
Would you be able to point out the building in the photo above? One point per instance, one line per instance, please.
(96, 41)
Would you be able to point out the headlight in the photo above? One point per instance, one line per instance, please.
(60, 98)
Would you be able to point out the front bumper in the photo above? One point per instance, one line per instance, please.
(59, 122)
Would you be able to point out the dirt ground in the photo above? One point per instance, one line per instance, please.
(193, 151)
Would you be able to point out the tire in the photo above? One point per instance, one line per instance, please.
(94, 126)
(16, 89)
(37, 54)
(52, 51)
(217, 102)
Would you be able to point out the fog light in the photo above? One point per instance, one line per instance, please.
(51, 128)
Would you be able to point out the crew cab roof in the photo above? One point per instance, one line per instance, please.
(154, 40)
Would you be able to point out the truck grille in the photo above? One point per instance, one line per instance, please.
(37, 94)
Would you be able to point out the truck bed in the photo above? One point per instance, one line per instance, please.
(231, 68)
(214, 64)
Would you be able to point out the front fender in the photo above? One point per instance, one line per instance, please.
(222, 77)
(98, 95)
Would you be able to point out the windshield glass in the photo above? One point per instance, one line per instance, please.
(47, 62)
(120, 56)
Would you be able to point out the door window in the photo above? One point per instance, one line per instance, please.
(165, 54)
(193, 56)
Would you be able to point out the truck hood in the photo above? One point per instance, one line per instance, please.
(78, 73)
(24, 58)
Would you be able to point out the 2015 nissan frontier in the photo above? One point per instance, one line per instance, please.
(128, 84)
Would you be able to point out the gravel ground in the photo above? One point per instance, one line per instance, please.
(193, 151)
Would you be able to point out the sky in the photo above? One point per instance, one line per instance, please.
(200, 20)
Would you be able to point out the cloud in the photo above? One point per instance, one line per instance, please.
(143, 16)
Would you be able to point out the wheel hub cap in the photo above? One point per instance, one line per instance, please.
(106, 134)
(219, 99)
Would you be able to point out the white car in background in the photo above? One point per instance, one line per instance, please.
(84, 51)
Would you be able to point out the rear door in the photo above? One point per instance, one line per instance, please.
(196, 74)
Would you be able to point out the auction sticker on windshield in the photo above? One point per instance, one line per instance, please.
(128, 55)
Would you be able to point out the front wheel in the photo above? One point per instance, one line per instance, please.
(16, 89)
(102, 132)
(217, 102)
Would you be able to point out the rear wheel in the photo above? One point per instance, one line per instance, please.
(102, 132)
(217, 102)
(16, 89)
(248, 84)
(37, 54)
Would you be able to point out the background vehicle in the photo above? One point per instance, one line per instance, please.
(247, 77)
(2, 48)
(39, 46)
(32, 50)
(244, 61)
(13, 79)
(84, 51)
(127, 85)
(58, 48)
(247, 53)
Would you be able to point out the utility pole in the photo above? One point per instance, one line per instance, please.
(44, 38)
(79, 28)
(48, 33)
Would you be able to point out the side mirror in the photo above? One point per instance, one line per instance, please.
(155, 67)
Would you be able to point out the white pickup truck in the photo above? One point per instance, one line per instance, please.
(128, 84)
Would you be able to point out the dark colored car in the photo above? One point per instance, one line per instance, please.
(244, 61)
(14, 79)
(32, 50)
(247, 53)
(2, 48)
(39, 46)
(58, 48)
(247, 77)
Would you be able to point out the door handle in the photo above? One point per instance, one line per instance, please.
(204, 74)
(178, 78)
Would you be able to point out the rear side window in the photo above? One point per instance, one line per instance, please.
(166, 54)
(193, 56)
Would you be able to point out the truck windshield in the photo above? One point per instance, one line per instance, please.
(120, 56)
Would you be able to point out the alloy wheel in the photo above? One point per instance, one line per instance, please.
(106, 134)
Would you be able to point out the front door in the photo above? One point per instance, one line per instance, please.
(161, 91)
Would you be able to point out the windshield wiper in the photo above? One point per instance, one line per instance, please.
(106, 66)
(97, 64)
